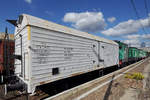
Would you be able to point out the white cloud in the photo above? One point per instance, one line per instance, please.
(111, 19)
(126, 27)
(135, 40)
(145, 36)
(28, 1)
(134, 36)
(148, 44)
(138, 36)
(132, 42)
(86, 21)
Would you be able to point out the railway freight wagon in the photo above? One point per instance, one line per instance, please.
(142, 54)
(51, 52)
(133, 54)
(6, 59)
(123, 53)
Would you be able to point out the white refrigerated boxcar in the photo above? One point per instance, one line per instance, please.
(52, 52)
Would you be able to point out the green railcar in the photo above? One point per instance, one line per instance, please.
(138, 54)
(133, 54)
(142, 54)
(123, 52)
(145, 54)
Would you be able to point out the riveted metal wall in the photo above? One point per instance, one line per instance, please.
(70, 54)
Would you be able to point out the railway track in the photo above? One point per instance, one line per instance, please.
(72, 88)
(84, 90)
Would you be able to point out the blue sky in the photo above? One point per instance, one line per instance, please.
(112, 19)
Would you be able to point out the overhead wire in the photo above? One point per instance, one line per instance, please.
(147, 11)
(138, 17)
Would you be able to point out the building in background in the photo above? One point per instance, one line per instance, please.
(143, 45)
(6, 55)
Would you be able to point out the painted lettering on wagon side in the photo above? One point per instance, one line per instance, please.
(68, 53)
(42, 52)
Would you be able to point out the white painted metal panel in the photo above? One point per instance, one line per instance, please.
(71, 54)
(109, 53)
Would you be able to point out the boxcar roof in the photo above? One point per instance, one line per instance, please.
(34, 21)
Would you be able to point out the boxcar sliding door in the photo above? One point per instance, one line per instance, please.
(108, 54)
